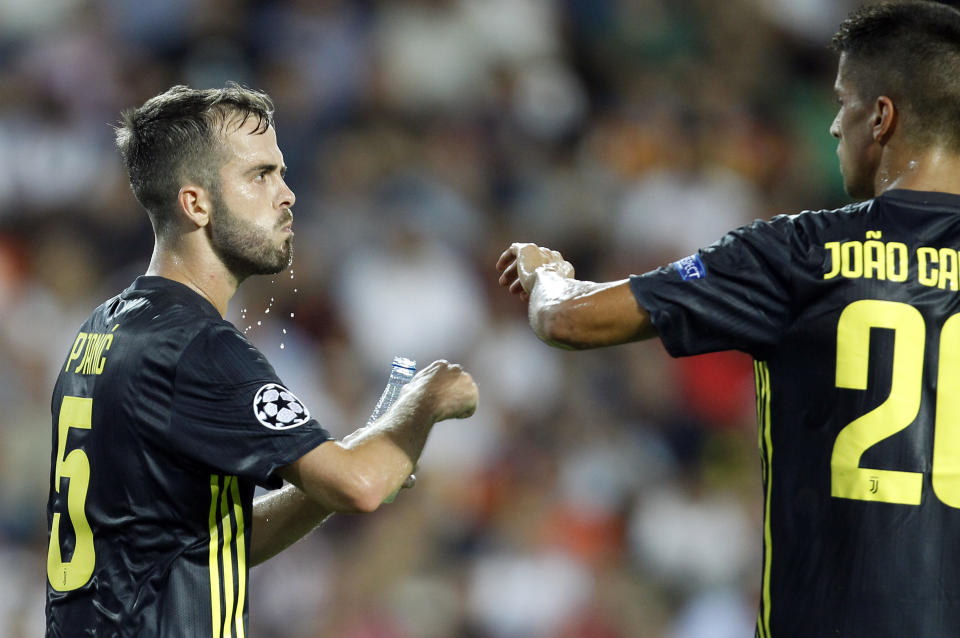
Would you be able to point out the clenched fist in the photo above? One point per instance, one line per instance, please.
(448, 388)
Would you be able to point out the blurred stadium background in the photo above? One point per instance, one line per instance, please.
(611, 494)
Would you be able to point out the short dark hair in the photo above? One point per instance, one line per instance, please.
(175, 137)
(909, 52)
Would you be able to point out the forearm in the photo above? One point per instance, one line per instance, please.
(372, 462)
(280, 519)
(390, 447)
(574, 314)
(357, 474)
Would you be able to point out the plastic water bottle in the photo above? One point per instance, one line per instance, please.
(401, 372)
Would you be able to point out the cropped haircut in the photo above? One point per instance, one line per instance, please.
(909, 52)
(177, 137)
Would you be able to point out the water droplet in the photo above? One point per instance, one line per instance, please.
(259, 323)
(281, 346)
(291, 315)
(294, 290)
(284, 331)
(267, 311)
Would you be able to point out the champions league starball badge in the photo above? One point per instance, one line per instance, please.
(279, 409)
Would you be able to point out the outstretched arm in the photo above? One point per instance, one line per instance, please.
(357, 474)
(569, 313)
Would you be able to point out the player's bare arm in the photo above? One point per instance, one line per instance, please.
(360, 472)
(567, 312)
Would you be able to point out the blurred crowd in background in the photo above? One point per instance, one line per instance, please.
(606, 494)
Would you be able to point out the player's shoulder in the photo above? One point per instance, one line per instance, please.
(812, 225)
(159, 308)
(221, 353)
(824, 216)
(156, 319)
(219, 335)
(793, 232)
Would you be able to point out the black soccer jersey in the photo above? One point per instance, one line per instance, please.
(164, 420)
(853, 319)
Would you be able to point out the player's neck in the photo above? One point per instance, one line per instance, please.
(932, 170)
(204, 274)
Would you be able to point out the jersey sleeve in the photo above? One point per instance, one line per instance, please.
(233, 414)
(732, 295)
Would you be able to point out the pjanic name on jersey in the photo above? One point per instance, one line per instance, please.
(92, 346)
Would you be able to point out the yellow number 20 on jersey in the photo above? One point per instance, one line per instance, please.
(900, 408)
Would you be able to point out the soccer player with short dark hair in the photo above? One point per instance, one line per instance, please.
(853, 319)
(165, 417)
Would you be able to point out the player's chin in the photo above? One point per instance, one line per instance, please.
(285, 256)
(282, 260)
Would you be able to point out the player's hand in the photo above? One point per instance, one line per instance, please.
(519, 263)
(448, 389)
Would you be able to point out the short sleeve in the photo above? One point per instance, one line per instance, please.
(732, 295)
(233, 414)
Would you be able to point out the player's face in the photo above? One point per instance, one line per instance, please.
(853, 127)
(251, 222)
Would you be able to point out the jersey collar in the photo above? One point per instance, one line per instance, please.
(924, 198)
(175, 289)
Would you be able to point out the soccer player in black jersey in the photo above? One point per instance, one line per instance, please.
(857, 307)
(165, 417)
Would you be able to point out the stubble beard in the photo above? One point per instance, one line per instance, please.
(244, 248)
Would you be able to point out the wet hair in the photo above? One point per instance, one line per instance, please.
(909, 52)
(177, 137)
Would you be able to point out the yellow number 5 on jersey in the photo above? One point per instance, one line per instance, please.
(75, 412)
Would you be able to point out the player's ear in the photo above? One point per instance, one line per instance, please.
(193, 202)
(884, 121)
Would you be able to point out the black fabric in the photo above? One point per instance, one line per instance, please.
(839, 560)
(176, 440)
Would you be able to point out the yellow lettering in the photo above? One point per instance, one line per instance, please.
(897, 257)
(852, 259)
(833, 247)
(76, 349)
(93, 360)
(948, 269)
(926, 272)
(874, 234)
(86, 363)
(105, 344)
(874, 258)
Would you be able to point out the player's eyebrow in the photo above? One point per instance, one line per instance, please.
(268, 168)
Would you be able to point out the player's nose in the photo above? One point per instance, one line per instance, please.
(287, 197)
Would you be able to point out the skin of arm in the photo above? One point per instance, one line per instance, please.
(358, 473)
(567, 312)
